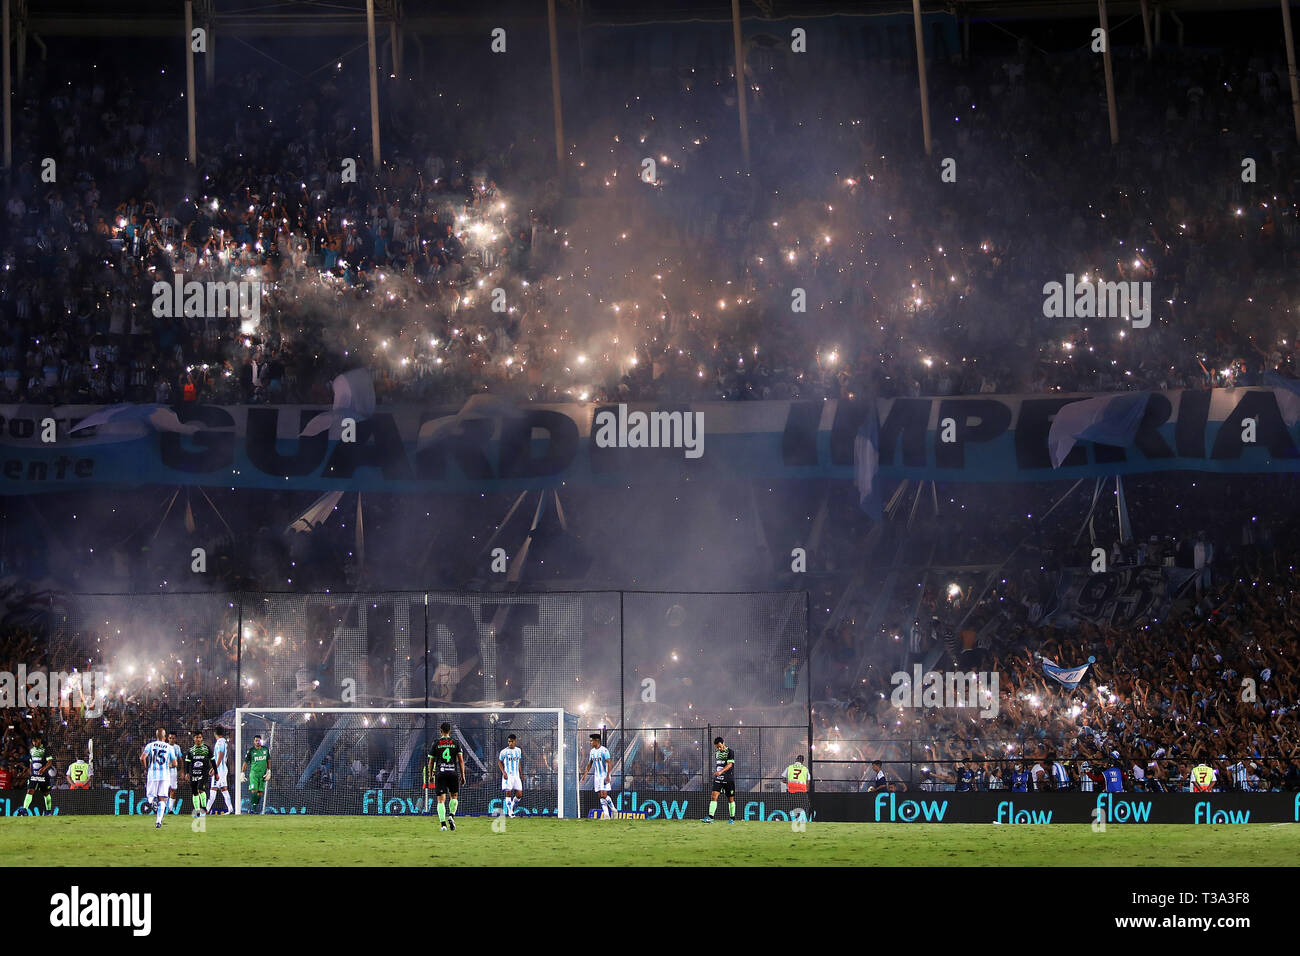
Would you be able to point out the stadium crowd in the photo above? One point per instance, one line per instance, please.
(913, 286)
(125, 720)
(1212, 678)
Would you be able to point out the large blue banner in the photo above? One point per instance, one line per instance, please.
(491, 446)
